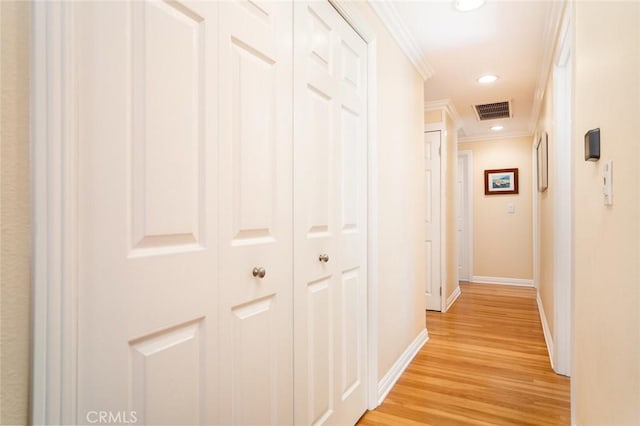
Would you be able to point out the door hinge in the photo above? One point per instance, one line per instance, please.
(440, 291)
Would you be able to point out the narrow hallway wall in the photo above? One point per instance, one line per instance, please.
(502, 241)
(606, 360)
(400, 270)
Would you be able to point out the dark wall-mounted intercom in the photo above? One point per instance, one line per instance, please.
(592, 145)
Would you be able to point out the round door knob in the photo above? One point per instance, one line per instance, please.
(259, 272)
(323, 258)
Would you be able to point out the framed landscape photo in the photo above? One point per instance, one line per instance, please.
(500, 181)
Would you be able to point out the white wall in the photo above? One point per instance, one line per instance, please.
(14, 212)
(401, 258)
(606, 360)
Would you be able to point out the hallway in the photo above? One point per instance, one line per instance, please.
(485, 363)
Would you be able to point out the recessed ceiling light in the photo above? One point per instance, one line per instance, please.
(486, 79)
(467, 5)
(497, 128)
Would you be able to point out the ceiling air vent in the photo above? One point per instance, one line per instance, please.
(493, 111)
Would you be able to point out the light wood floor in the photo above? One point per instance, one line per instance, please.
(486, 363)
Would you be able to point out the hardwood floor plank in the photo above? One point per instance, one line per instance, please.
(486, 363)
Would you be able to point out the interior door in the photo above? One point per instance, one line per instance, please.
(433, 284)
(147, 212)
(255, 241)
(329, 216)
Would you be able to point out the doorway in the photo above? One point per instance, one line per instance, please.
(464, 215)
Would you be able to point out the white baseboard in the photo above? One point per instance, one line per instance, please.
(502, 281)
(545, 328)
(389, 380)
(453, 297)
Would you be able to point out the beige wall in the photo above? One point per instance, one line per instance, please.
(401, 257)
(14, 213)
(607, 239)
(432, 117)
(545, 212)
(502, 242)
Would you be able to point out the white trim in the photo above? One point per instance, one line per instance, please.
(361, 26)
(549, 41)
(468, 156)
(563, 200)
(391, 377)
(519, 282)
(536, 212)
(434, 127)
(545, 329)
(453, 297)
(494, 137)
(54, 168)
(442, 128)
(446, 105)
(386, 11)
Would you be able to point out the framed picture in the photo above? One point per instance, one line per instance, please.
(542, 162)
(500, 181)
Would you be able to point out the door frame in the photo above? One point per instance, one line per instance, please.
(467, 241)
(439, 246)
(442, 128)
(55, 228)
(563, 198)
(55, 209)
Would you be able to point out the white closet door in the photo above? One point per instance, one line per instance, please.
(146, 124)
(329, 216)
(433, 285)
(256, 314)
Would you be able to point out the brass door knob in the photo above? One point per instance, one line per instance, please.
(259, 272)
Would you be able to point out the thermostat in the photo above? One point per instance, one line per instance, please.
(592, 145)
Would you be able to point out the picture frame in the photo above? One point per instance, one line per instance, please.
(501, 181)
(542, 161)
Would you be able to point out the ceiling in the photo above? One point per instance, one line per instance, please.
(511, 39)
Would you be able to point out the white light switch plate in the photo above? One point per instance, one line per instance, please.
(607, 183)
(511, 208)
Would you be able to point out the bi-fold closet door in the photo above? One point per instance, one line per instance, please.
(221, 216)
(330, 149)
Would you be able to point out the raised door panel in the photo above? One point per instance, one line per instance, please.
(167, 372)
(320, 351)
(255, 223)
(317, 162)
(167, 173)
(147, 210)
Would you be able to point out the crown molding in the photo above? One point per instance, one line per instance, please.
(447, 105)
(389, 16)
(550, 43)
(487, 138)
